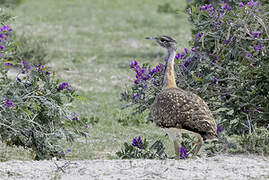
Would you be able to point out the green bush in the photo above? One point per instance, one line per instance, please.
(4, 16)
(35, 107)
(234, 41)
(139, 149)
(10, 3)
(32, 50)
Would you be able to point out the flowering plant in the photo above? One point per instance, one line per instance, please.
(140, 149)
(35, 107)
(146, 85)
(234, 38)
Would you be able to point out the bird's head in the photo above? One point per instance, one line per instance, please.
(165, 42)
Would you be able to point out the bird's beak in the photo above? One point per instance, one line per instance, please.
(151, 38)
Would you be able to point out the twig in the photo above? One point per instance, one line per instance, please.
(59, 167)
(64, 166)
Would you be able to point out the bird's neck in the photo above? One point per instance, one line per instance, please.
(169, 80)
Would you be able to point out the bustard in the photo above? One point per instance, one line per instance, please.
(179, 111)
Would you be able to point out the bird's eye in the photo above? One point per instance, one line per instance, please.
(162, 40)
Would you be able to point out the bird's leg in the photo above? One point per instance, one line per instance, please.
(199, 137)
(172, 133)
(199, 144)
(176, 146)
(180, 131)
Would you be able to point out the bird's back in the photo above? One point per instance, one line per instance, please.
(174, 107)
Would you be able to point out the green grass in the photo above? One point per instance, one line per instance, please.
(91, 44)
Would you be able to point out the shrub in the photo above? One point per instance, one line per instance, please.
(35, 107)
(139, 149)
(27, 48)
(227, 65)
(233, 38)
(256, 142)
(125, 118)
(10, 3)
(4, 16)
(22, 48)
(166, 8)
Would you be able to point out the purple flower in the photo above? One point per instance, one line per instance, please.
(189, 11)
(250, 66)
(7, 64)
(187, 62)
(75, 118)
(186, 50)
(215, 80)
(252, 3)
(203, 8)
(87, 126)
(178, 56)
(245, 110)
(26, 65)
(9, 103)
(219, 129)
(199, 34)
(207, 7)
(248, 55)
(133, 64)
(227, 7)
(255, 34)
(137, 142)
(136, 95)
(2, 47)
(136, 81)
(257, 47)
(225, 96)
(220, 15)
(256, 110)
(40, 68)
(63, 86)
(193, 49)
(241, 4)
(68, 150)
(228, 95)
(5, 28)
(183, 153)
(212, 63)
(200, 75)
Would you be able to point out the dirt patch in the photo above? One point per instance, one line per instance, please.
(218, 167)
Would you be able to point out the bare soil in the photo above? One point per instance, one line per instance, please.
(218, 167)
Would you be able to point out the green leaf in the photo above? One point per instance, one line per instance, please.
(231, 112)
(81, 98)
(29, 113)
(221, 110)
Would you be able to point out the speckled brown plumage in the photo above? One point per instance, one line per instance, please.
(179, 111)
(174, 107)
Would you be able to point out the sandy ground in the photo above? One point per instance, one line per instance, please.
(218, 167)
